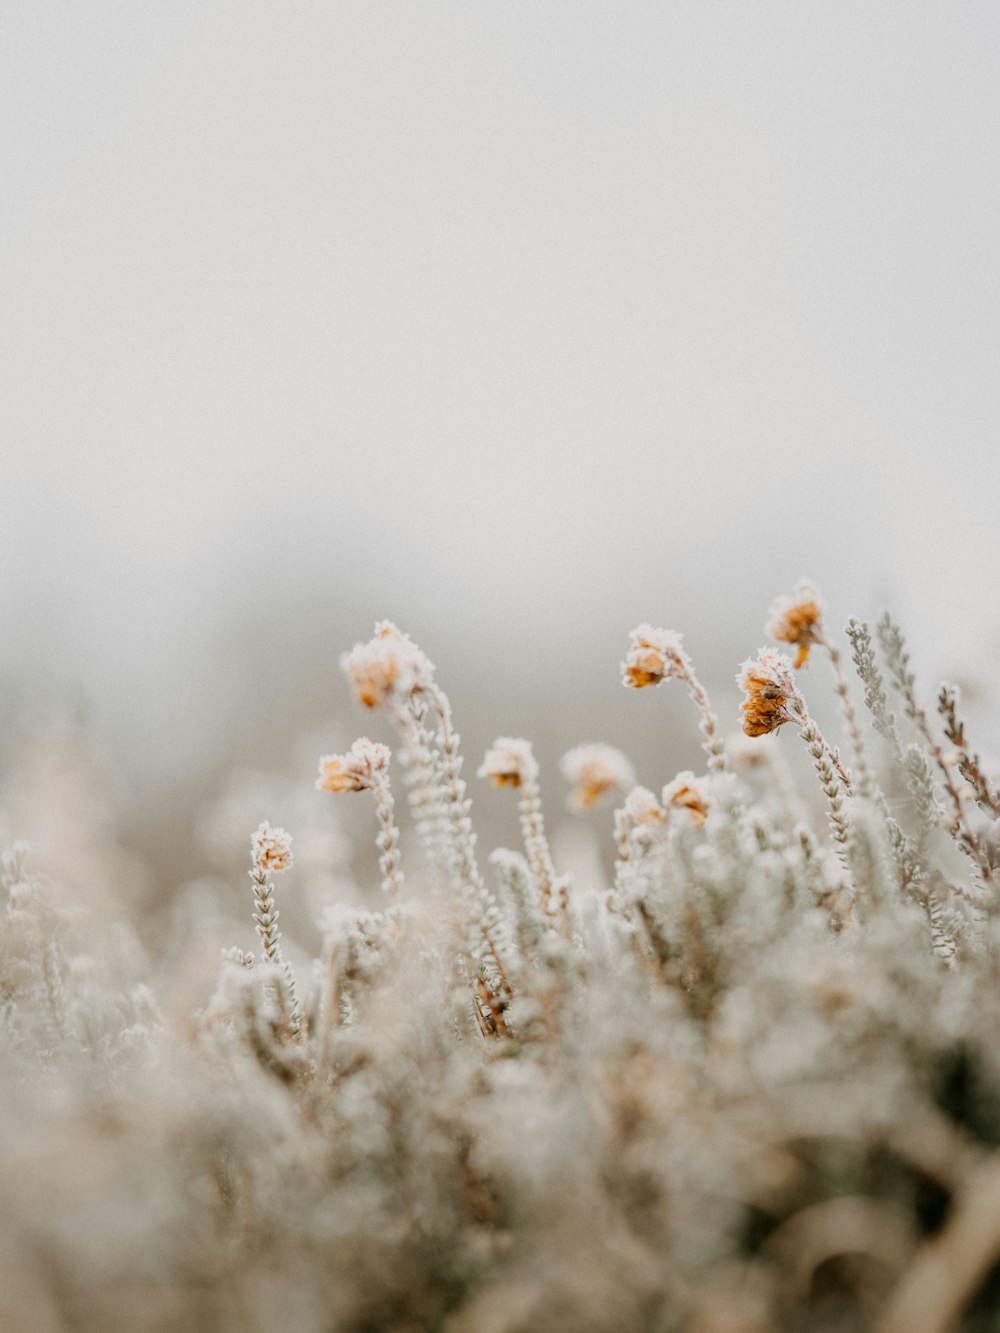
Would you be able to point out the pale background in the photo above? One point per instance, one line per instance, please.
(518, 323)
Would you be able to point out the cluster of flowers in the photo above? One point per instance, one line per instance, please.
(749, 1083)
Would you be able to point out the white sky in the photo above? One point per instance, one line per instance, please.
(492, 317)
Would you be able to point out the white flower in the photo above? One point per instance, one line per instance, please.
(360, 768)
(687, 793)
(509, 762)
(654, 655)
(389, 665)
(643, 808)
(271, 849)
(593, 770)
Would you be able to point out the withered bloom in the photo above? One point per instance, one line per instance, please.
(594, 770)
(797, 620)
(770, 691)
(509, 762)
(654, 655)
(357, 770)
(388, 666)
(686, 793)
(271, 849)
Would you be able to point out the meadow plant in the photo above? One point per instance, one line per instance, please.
(751, 1083)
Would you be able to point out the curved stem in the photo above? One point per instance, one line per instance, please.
(712, 744)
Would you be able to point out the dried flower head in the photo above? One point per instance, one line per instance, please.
(768, 684)
(389, 665)
(797, 619)
(509, 762)
(654, 655)
(687, 793)
(593, 770)
(357, 770)
(271, 849)
(644, 809)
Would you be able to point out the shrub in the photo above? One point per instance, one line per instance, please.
(751, 1084)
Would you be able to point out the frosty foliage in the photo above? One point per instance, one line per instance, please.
(753, 1084)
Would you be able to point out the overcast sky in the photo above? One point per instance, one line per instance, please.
(508, 320)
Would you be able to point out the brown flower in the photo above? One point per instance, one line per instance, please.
(797, 620)
(767, 682)
(654, 655)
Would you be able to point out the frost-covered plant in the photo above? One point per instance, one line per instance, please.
(751, 1084)
(365, 767)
